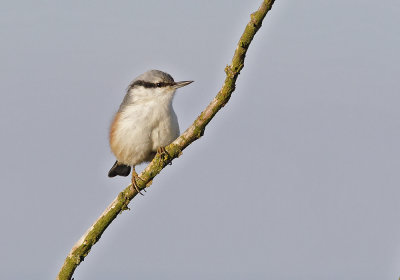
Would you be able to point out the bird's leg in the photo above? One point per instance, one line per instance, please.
(135, 176)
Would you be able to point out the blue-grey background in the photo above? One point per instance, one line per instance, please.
(296, 178)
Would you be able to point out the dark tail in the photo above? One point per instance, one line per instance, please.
(119, 169)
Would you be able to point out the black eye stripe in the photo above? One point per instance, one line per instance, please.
(149, 85)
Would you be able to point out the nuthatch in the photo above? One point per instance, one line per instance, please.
(145, 122)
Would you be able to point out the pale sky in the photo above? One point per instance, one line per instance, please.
(296, 178)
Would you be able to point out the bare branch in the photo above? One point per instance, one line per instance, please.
(82, 248)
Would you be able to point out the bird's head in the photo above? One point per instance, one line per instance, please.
(154, 84)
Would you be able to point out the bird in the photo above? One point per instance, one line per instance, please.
(145, 122)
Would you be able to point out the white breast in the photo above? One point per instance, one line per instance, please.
(144, 126)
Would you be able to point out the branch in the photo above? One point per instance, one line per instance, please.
(82, 248)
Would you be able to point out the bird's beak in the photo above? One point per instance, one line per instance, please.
(181, 84)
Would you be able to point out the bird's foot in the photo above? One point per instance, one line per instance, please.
(161, 150)
(134, 186)
(135, 177)
(163, 153)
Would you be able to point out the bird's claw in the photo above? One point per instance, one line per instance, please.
(163, 153)
(161, 150)
(134, 185)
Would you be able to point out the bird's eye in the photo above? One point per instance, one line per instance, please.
(159, 84)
